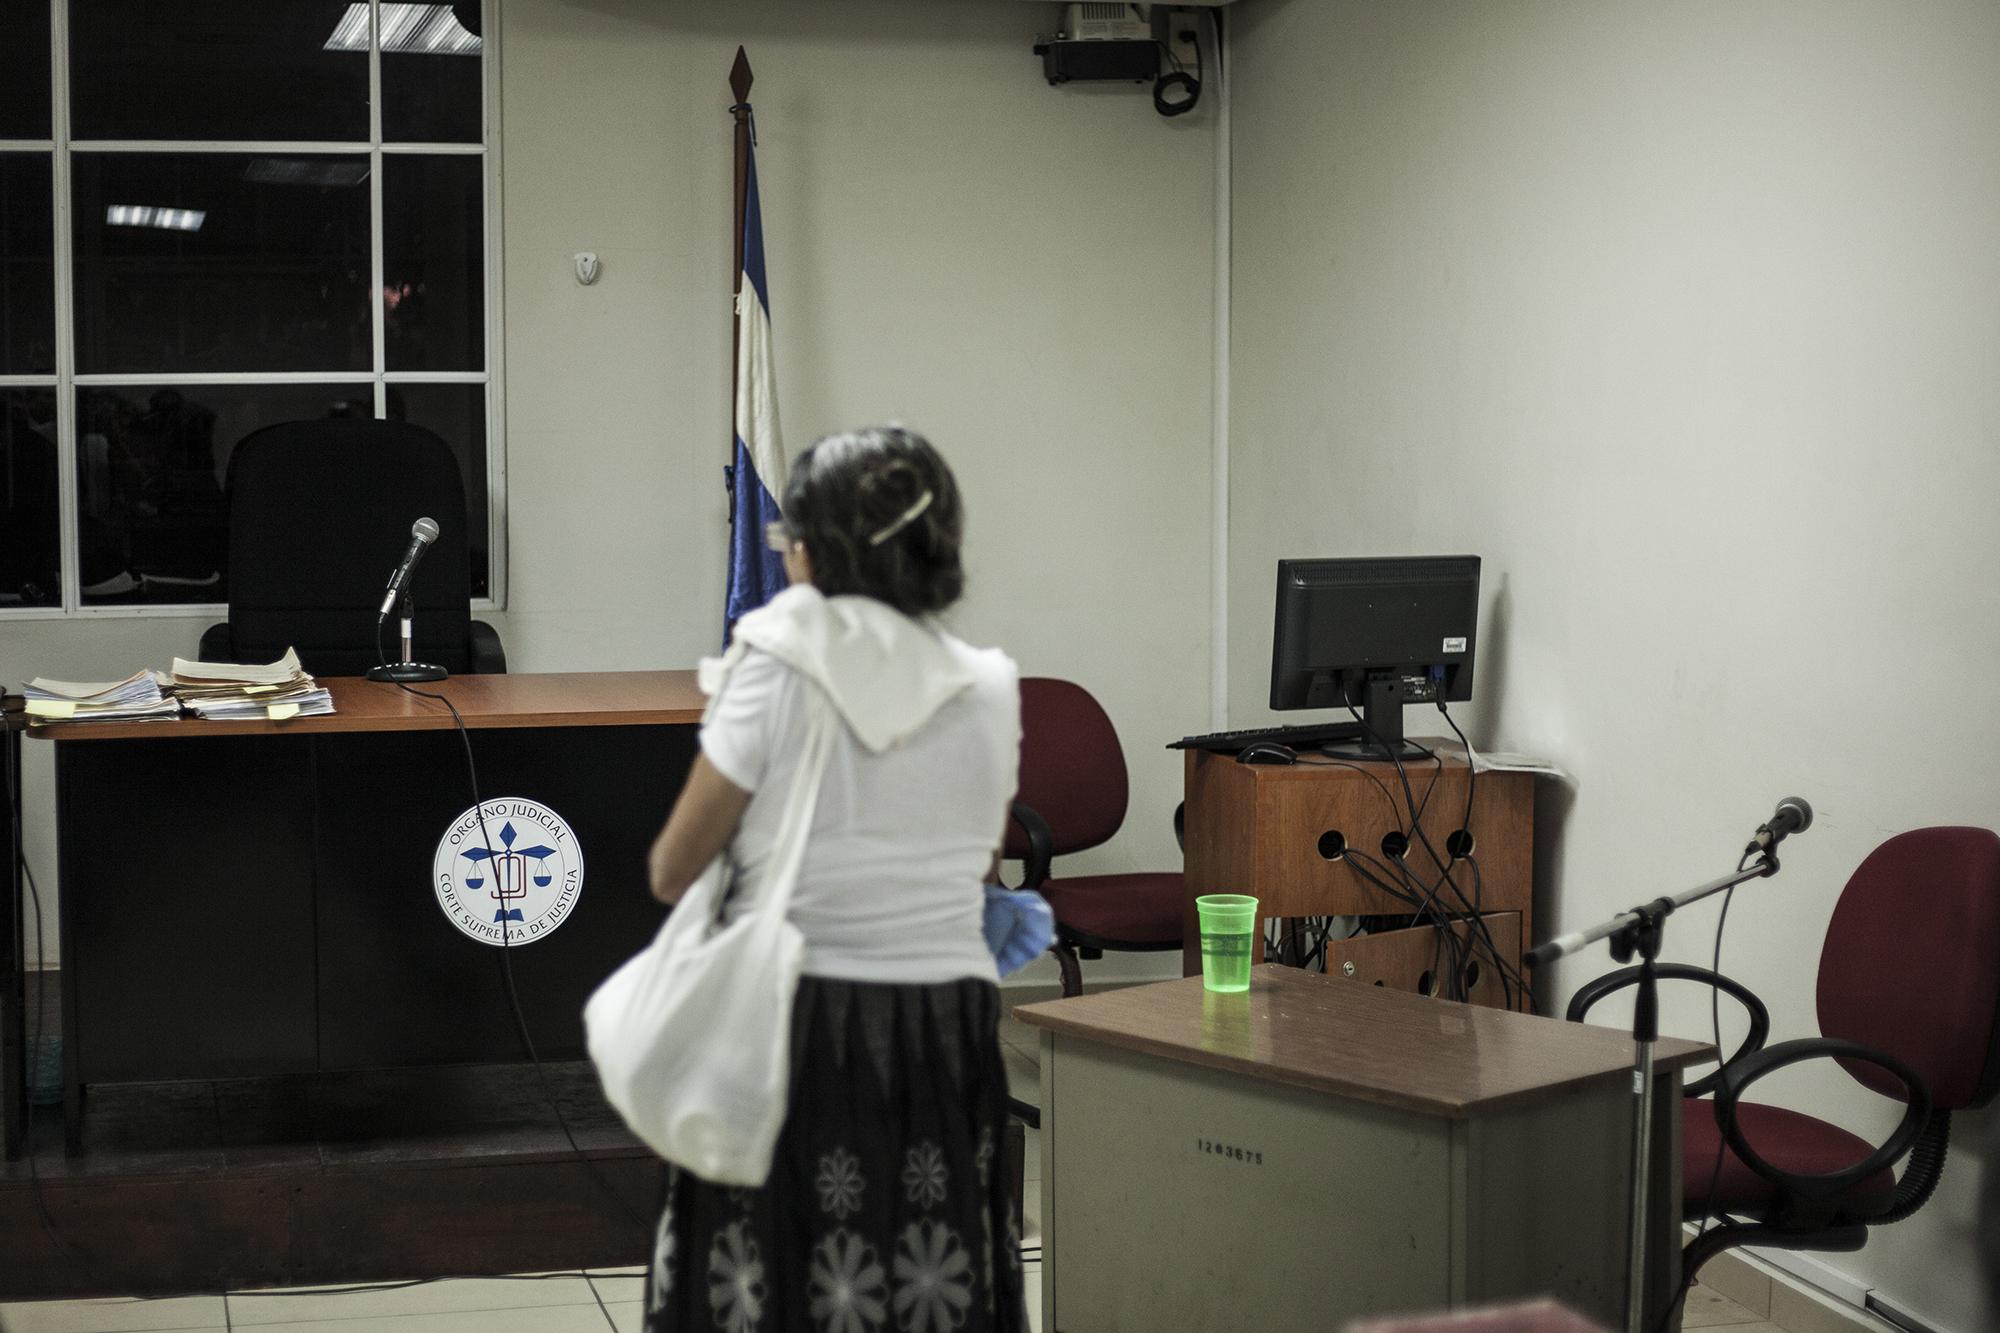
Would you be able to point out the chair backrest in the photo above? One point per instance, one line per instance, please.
(1072, 767)
(319, 514)
(1911, 963)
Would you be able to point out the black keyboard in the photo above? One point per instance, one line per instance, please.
(1303, 736)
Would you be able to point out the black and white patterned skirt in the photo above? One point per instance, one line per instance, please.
(887, 1206)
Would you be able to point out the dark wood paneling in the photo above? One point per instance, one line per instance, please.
(13, 995)
(398, 983)
(188, 888)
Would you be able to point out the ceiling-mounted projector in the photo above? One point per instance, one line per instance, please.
(1101, 41)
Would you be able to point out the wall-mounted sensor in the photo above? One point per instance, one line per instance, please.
(586, 267)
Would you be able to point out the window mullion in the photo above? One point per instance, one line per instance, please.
(69, 526)
(496, 405)
(375, 294)
(67, 167)
(260, 147)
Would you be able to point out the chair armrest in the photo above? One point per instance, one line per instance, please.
(1041, 845)
(1825, 1187)
(1760, 1017)
(215, 645)
(488, 657)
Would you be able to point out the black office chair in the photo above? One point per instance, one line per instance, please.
(319, 514)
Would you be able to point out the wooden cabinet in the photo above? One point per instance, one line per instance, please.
(1320, 838)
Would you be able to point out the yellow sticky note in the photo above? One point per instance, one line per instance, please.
(279, 712)
(258, 689)
(56, 708)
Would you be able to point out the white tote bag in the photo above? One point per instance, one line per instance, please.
(692, 1036)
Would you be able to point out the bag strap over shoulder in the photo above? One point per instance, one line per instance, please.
(795, 821)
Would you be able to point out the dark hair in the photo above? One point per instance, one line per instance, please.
(878, 513)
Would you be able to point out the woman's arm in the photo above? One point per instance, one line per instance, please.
(1000, 852)
(702, 822)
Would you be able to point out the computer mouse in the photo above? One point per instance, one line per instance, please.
(1267, 752)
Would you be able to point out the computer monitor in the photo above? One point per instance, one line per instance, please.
(1373, 635)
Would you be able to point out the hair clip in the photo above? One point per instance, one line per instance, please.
(903, 520)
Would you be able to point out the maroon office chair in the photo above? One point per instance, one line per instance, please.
(1072, 797)
(1909, 1004)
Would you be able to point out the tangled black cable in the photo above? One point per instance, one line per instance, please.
(1176, 92)
(1431, 899)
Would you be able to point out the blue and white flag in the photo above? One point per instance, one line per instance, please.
(757, 474)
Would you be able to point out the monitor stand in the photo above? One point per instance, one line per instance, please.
(1381, 740)
(1369, 752)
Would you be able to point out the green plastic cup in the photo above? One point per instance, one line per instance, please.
(1227, 922)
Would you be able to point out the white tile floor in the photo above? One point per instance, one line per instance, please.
(576, 1302)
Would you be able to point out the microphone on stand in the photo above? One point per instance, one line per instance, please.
(1793, 816)
(422, 533)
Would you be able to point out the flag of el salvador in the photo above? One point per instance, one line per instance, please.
(756, 572)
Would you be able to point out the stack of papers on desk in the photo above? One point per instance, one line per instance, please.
(230, 691)
(137, 698)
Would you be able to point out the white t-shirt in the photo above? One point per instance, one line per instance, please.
(891, 888)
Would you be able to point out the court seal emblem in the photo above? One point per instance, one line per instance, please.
(515, 882)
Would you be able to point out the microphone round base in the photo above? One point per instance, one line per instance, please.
(405, 673)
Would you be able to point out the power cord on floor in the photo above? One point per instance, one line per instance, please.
(507, 964)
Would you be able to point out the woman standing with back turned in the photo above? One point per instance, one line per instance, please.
(886, 1206)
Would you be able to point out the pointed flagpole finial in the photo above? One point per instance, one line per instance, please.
(740, 76)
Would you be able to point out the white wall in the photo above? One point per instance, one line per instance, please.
(1685, 318)
(1021, 272)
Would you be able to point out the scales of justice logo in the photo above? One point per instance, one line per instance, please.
(516, 882)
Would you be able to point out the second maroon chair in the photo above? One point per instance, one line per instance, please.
(1072, 797)
(1909, 1005)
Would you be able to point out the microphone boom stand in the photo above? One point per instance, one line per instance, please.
(1639, 931)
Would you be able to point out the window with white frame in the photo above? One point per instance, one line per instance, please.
(213, 218)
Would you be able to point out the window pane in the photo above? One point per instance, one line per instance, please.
(457, 413)
(27, 265)
(221, 261)
(30, 531)
(151, 462)
(221, 69)
(430, 73)
(24, 69)
(433, 261)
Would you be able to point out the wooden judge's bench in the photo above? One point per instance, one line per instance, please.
(1304, 839)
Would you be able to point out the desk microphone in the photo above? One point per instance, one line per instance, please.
(422, 533)
(1793, 816)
